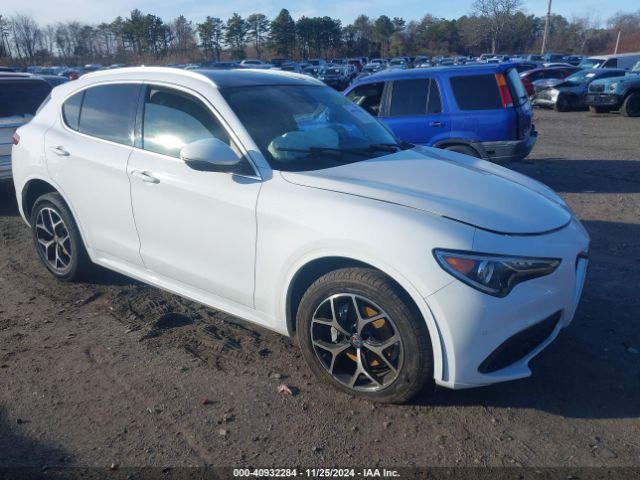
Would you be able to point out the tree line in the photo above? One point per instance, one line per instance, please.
(491, 26)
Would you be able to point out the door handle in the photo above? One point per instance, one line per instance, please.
(145, 176)
(60, 151)
(435, 124)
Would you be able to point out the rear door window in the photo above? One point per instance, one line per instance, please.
(368, 96)
(107, 112)
(476, 92)
(22, 97)
(414, 97)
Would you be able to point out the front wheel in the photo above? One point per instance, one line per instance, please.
(359, 331)
(563, 104)
(631, 105)
(57, 238)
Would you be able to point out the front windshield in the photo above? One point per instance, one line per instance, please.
(580, 77)
(305, 127)
(636, 67)
(590, 63)
(333, 71)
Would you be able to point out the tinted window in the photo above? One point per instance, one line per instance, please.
(173, 119)
(611, 63)
(368, 97)
(107, 112)
(22, 97)
(476, 92)
(553, 74)
(414, 97)
(71, 110)
(409, 97)
(434, 105)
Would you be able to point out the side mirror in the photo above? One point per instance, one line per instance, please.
(209, 155)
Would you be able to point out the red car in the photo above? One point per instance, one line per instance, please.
(357, 62)
(530, 76)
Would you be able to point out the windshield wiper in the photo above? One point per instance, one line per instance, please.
(323, 149)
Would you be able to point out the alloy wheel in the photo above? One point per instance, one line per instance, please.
(53, 239)
(356, 342)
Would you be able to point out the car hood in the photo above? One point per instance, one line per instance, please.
(447, 184)
(548, 82)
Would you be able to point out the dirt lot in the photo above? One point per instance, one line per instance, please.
(117, 372)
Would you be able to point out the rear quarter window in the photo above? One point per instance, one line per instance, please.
(71, 110)
(476, 92)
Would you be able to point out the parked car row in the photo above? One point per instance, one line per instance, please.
(602, 90)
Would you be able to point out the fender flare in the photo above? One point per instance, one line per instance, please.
(420, 301)
(476, 146)
(58, 190)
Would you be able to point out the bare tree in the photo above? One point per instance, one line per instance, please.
(49, 39)
(27, 35)
(497, 13)
(5, 49)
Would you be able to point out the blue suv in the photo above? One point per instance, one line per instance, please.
(479, 110)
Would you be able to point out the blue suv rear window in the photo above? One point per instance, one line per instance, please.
(476, 92)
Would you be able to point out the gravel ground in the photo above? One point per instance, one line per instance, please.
(115, 372)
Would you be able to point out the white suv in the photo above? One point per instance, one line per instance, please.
(272, 197)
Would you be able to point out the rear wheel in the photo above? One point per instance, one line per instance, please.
(464, 149)
(631, 105)
(593, 109)
(358, 332)
(57, 239)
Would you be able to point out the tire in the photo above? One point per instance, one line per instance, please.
(464, 149)
(65, 255)
(411, 357)
(631, 105)
(563, 104)
(593, 109)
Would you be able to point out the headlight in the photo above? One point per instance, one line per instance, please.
(613, 86)
(553, 94)
(493, 274)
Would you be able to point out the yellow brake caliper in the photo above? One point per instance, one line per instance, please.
(370, 312)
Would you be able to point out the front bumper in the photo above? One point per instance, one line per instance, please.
(603, 100)
(5, 167)
(543, 101)
(488, 339)
(509, 150)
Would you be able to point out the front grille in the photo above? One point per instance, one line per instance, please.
(596, 88)
(519, 345)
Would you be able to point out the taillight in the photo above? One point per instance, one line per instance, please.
(16, 138)
(505, 93)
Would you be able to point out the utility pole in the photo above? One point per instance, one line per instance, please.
(618, 41)
(546, 29)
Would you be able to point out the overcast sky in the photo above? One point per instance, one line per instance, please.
(96, 11)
